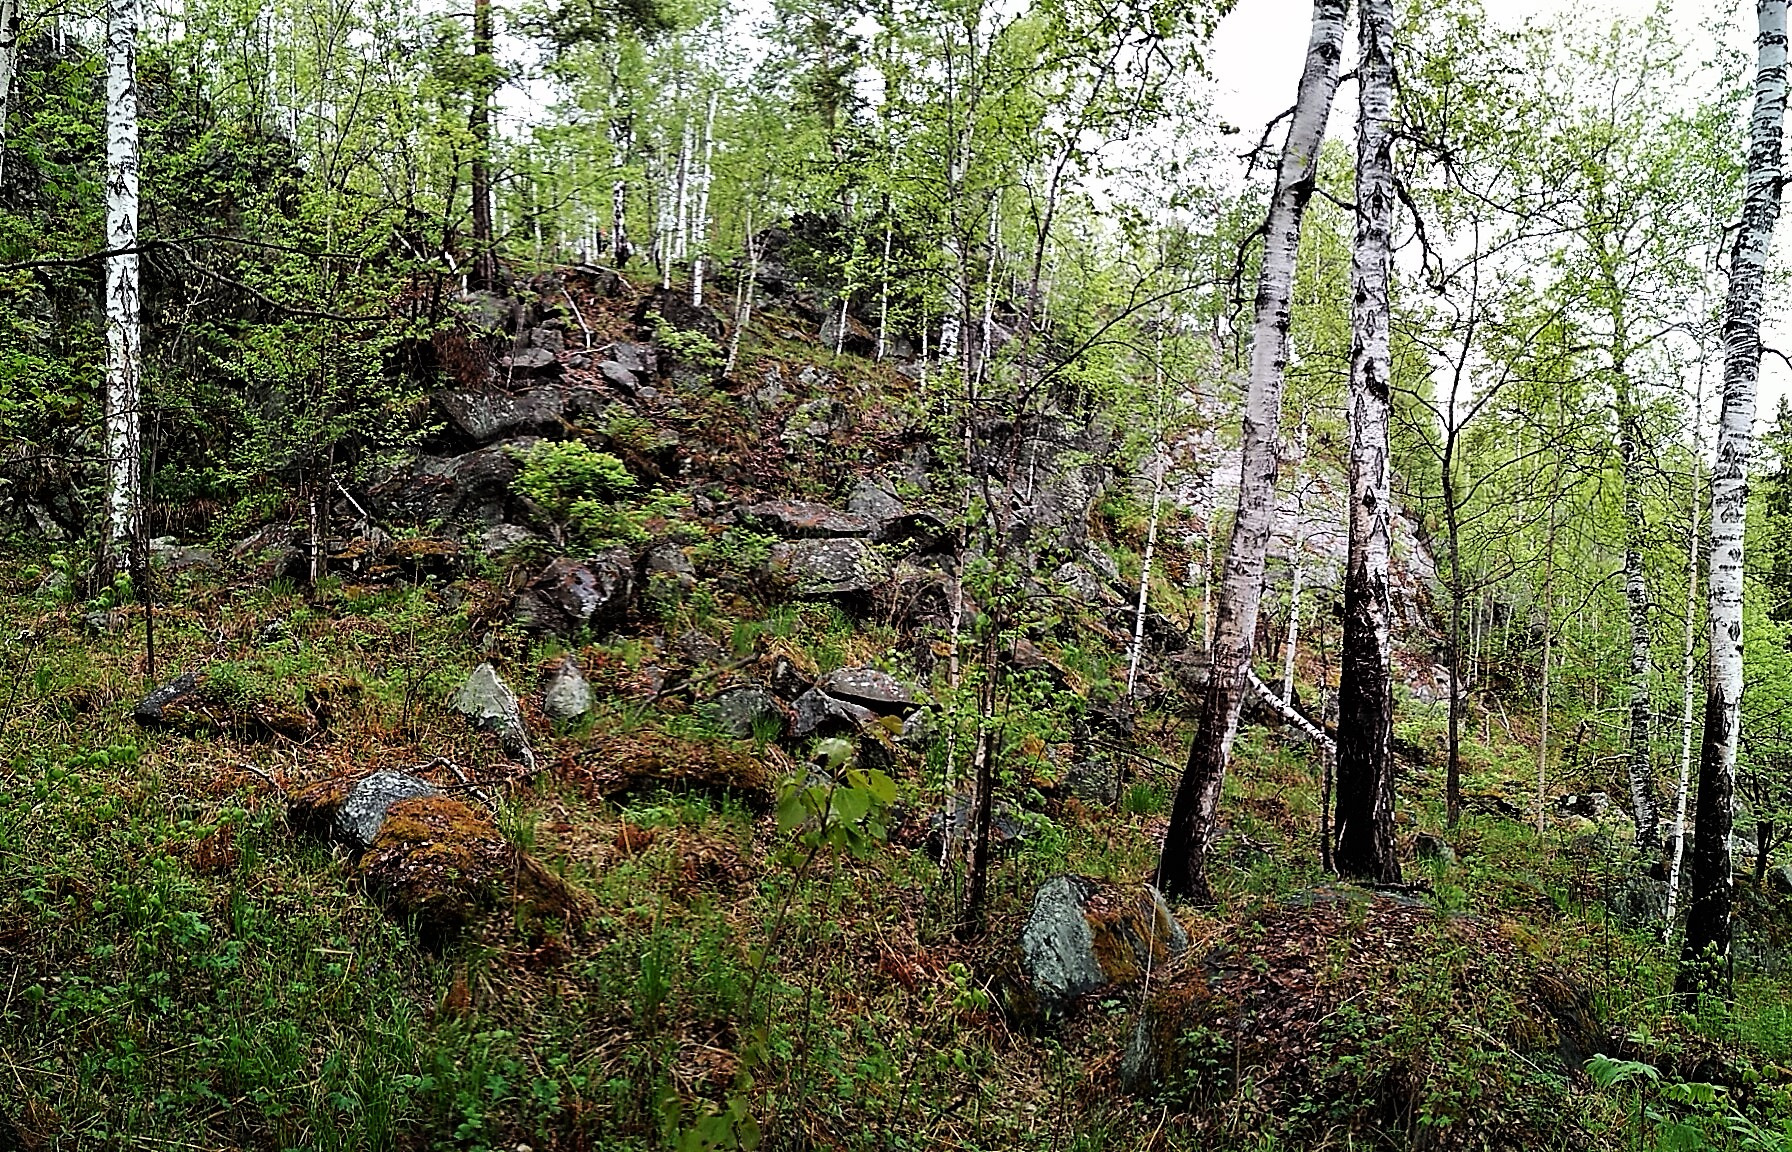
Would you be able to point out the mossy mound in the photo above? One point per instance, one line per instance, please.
(438, 861)
(1343, 1017)
(623, 765)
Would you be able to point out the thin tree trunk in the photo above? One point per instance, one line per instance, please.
(681, 225)
(124, 335)
(700, 226)
(1549, 631)
(1705, 953)
(9, 48)
(485, 263)
(1639, 763)
(1182, 869)
(1689, 646)
(883, 303)
(1138, 624)
(620, 137)
(1365, 815)
(745, 314)
(1297, 563)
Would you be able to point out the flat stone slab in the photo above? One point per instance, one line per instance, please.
(363, 811)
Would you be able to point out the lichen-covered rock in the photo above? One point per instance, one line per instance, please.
(815, 423)
(829, 567)
(1084, 935)
(815, 713)
(152, 709)
(484, 415)
(363, 809)
(489, 705)
(748, 710)
(473, 488)
(869, 688)
(569, 594)
(567, 695)
(802, 519)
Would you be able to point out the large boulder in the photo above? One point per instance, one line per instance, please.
(490, 706)
(844, 566)
(569, 594)
(1084, 935)
(818, 714)
(484, 415)
(802, 519)
(748, 710)
(468, 490)
(869, 688)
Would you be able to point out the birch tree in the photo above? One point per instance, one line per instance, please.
(1182, 869)
(1363, 829)
(10, 18)
(1706, 949)
(124, 337)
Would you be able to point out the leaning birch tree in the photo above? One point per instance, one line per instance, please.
(1705, 952)
(1182, 869)
(1363, 830)
(124, 336)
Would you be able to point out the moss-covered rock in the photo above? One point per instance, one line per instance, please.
(1085, 935)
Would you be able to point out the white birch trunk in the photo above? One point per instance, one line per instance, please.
(883, 304)
(1707, 945)
(682, 225)
(619, 248)
(1297, 557)
(1639, 763)
(124, 336)
(1182, 871)
(1364, 844)
(1138, 625)
(9, 48)
(700, 226)
(1689, 646)
(745, 314)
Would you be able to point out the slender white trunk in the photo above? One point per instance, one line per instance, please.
(1138, 624)
(9, 47)
(989, 284)
(701, 224)
(681, 225)
(1707, 945)
(1365, 801)
(1640, 764)
(1297, 557)
(1182, 870)
(619, 252)
(124, 336)
(883, 304)
(745, 314)
(1689, 646)
(1213, 509)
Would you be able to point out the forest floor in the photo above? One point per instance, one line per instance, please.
(182, 970)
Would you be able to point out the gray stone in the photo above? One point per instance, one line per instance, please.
(748, 711)
(919, 731)
(1426, 846)
(869, 688)
(771, 392)
(632, 357)
(548, 339)
(363, 811)
(529, 360)
(569, 594)
(1083, 935)
(816, 422)
(818, 714)
(485, 415)
(619, 375)
(175, 558)
(100, 623)
(875, 500)
(788, 681)
(1590, 805)
(1080, 583)
(489, 705)
(830, 567)
(1007, 831)
(802, 519)
(1780, 879)
(502, 538)
(1103, 564)
(149, 709)
(567, 695)
(670, 560)
(472, 488)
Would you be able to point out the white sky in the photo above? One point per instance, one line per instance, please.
(1256, 60)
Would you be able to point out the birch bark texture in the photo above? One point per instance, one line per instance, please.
(1182, 869)
(1636, 598)
(1364, 825)
(1690, 647)
(1705, 951)
(10, 18)
(124, 334)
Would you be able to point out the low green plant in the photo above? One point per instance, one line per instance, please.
(592, 497)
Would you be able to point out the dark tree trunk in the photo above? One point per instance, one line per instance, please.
(1705, 953)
